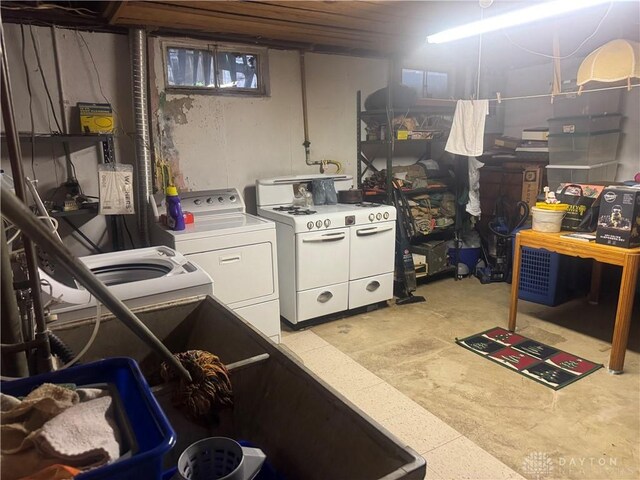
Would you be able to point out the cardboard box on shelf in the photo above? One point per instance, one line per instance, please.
(619, 218)
(402, 135)
(531, 184)
(507, 142)
(95, 117)
(537, 134)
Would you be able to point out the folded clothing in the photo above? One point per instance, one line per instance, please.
(20, 418)
(57, 429)
(85, 435)
(54, 472)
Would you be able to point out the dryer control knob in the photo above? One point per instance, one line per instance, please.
(327, 223)
(379, 216)
(319, 224)
(385, 215)
(371, 217)
(309, 225)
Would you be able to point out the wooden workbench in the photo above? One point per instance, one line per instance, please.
(627, 258)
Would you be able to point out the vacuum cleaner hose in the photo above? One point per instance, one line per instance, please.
(523, 211)
(523, 215)
(61, 349)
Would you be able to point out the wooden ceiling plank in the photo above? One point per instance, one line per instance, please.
(165, 15)
(137, 14)
(113, 11)
(412, 19)
(291, 14)
(380, 11)
(350, 10)
(342, 45)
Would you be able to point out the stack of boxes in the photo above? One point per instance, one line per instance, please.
(583, 139)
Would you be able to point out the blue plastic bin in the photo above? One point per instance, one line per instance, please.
(539, 277)
(152, 434)
(551, 279)
(468, 256)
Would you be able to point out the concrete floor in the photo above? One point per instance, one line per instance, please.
(588, 430)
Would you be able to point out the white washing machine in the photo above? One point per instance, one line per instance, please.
(237, 249)
(140, 277)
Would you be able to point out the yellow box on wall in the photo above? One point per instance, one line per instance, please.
(96, 117)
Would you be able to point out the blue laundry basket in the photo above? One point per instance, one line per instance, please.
(144, 426)
(549, 278)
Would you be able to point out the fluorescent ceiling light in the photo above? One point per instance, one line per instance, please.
(517, 17)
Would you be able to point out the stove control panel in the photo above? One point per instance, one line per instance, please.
(318, 224)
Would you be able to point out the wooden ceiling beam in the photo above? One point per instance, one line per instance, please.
(166, 15)
(379, 27)
(291, 14)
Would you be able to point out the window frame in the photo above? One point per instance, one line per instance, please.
(262, 68)
(426, 71)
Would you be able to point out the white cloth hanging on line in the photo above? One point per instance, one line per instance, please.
(467, 138)
(467, 130)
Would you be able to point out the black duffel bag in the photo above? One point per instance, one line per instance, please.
(582, 214)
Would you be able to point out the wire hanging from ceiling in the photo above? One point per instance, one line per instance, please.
(29, 91)
(562, 57)
(478, 73)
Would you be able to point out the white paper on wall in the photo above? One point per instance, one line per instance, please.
(116, 189)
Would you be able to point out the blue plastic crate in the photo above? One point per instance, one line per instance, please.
(152, 435)
(539, 275)
(551, 279)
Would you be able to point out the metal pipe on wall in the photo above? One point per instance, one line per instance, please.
(44, 360)
(13, 364)
(305, 121)
(139, 79)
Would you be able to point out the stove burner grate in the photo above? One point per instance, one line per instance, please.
(302, 212)
(367, 205)
(286, 208)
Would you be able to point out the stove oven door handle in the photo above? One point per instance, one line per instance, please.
(372, 231)
(327, 237)
(325, 296)
(373, 286)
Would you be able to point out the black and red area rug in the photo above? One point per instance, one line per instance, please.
(544, 364)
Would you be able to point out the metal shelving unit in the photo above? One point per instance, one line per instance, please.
(74, 142)
(389, 148)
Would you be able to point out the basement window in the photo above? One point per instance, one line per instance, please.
(427, 83)
(216, 69)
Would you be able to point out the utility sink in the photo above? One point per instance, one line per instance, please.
(306, 429)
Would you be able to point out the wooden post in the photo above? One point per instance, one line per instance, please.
(515, 284)
(623, 313)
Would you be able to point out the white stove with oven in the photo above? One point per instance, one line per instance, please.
(331, 258)
(238, 251)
